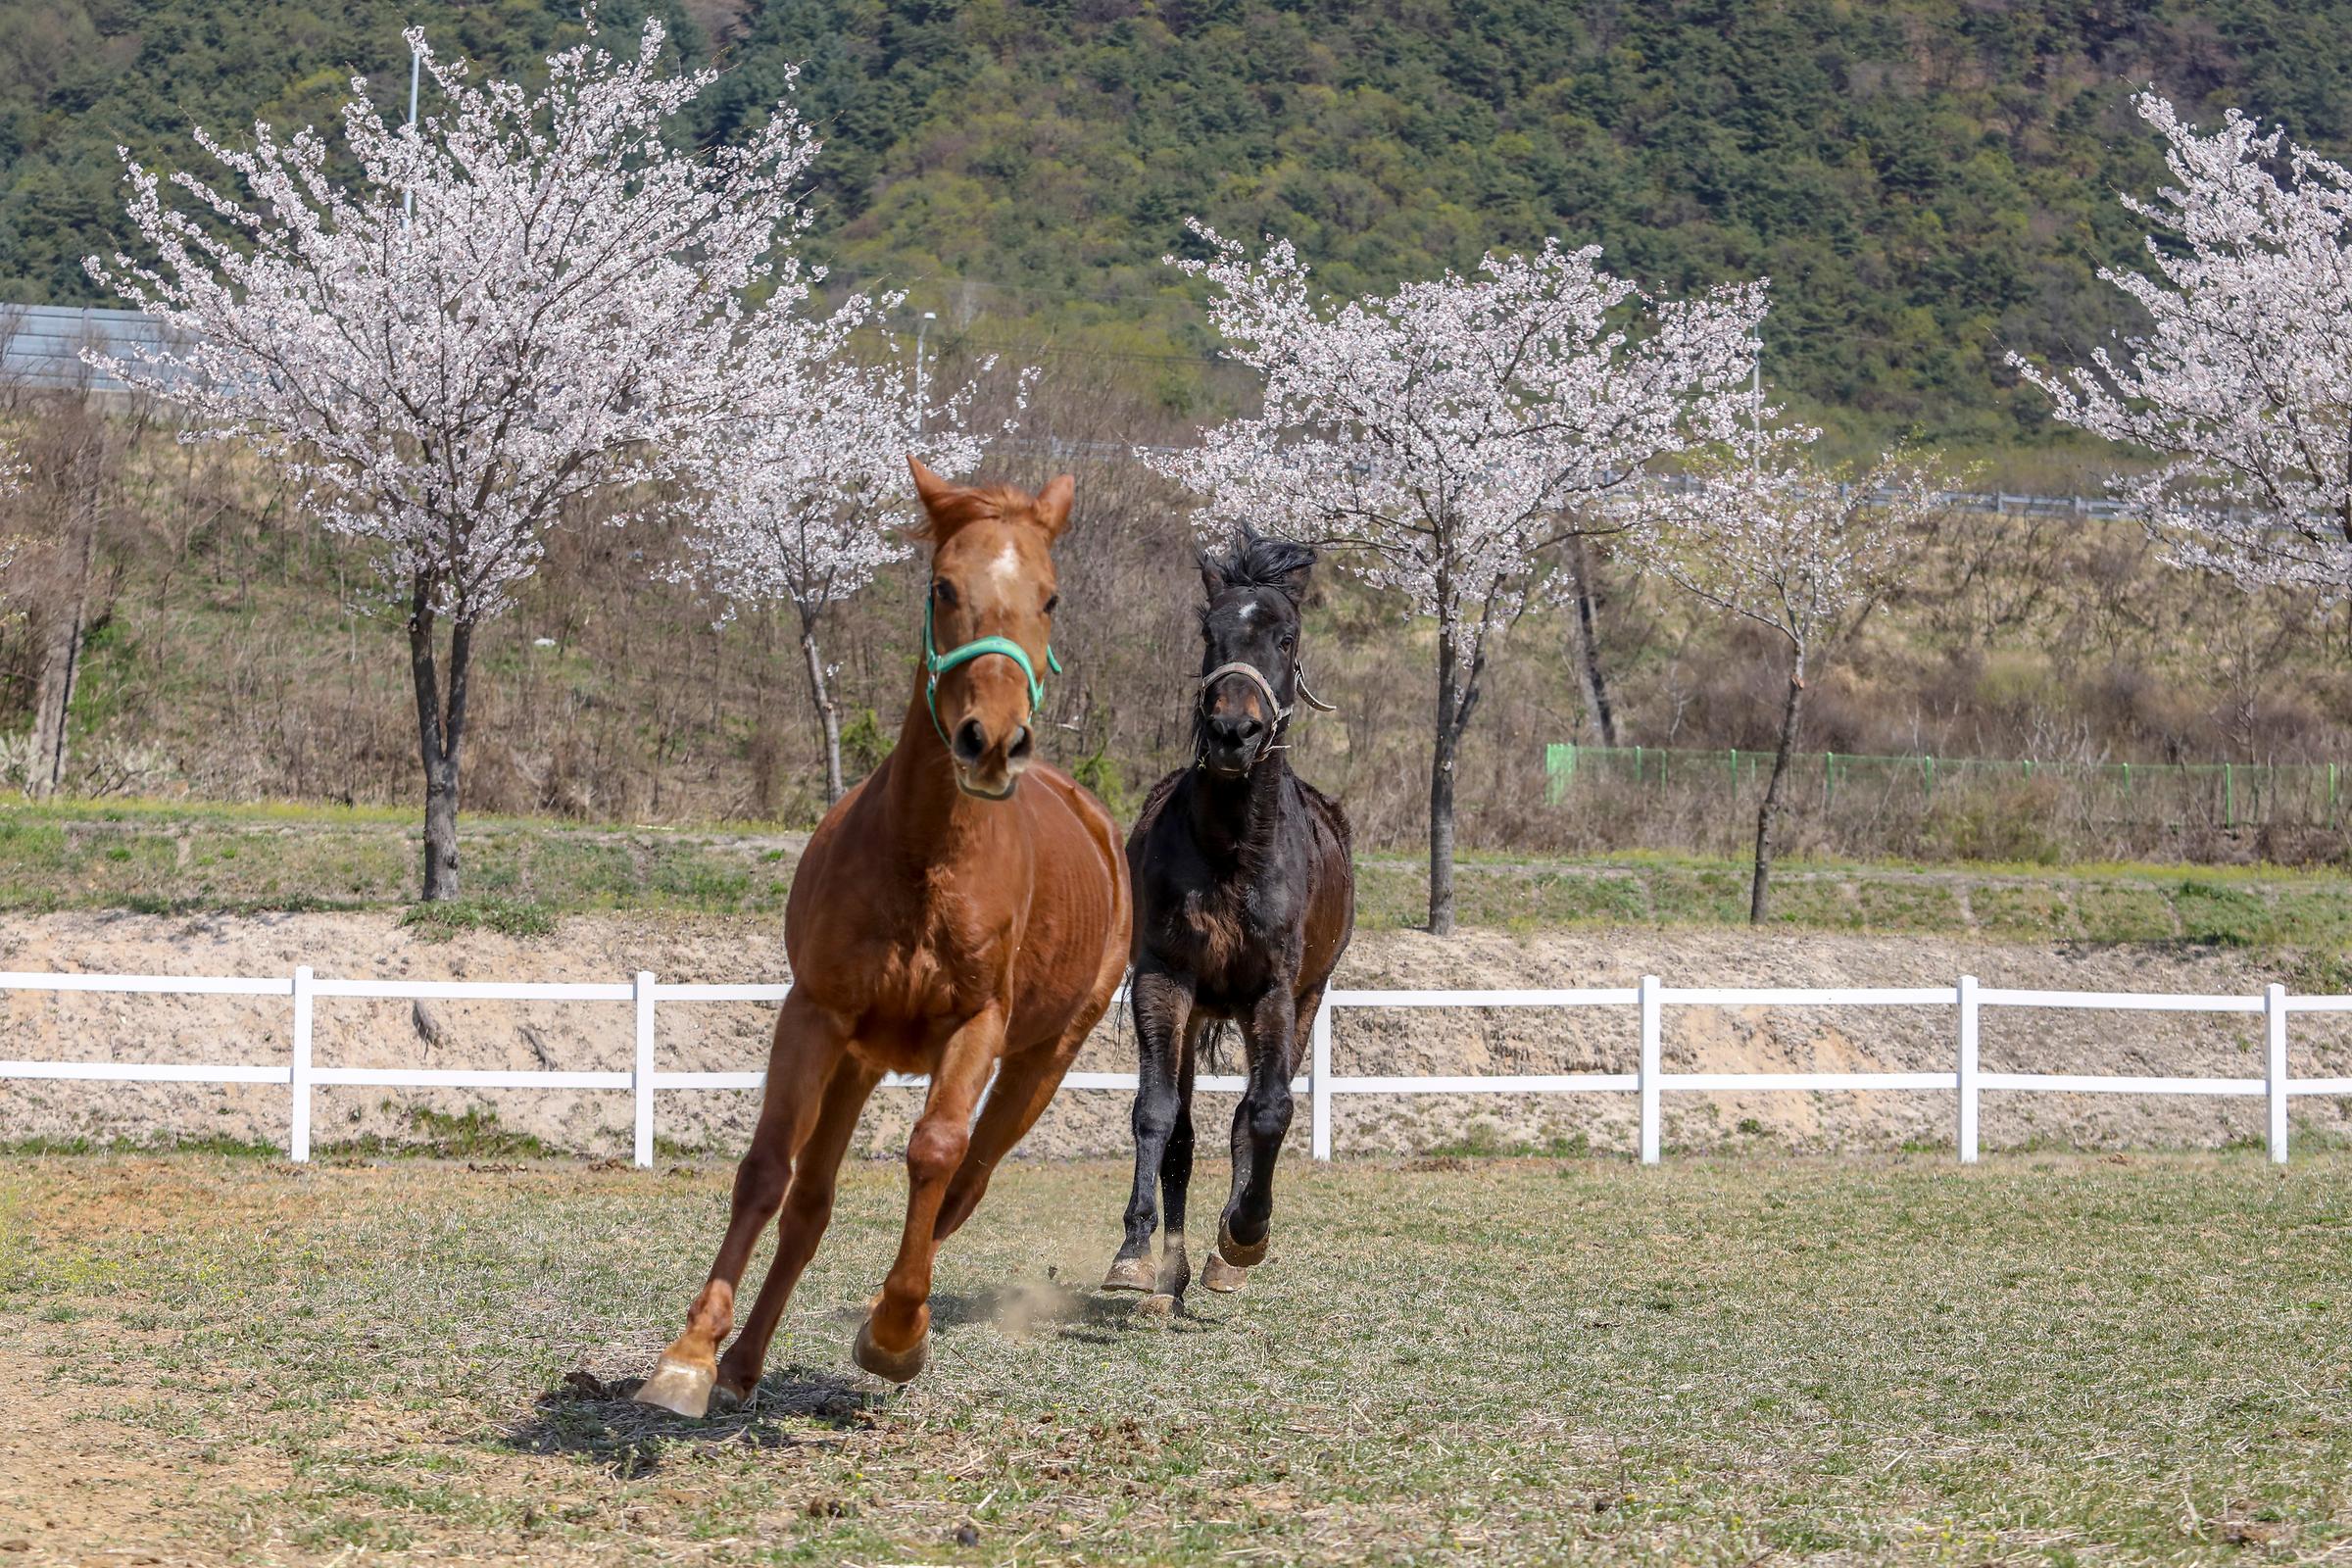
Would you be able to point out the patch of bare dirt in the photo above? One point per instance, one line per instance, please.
(77, 1486)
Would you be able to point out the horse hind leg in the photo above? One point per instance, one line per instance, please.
(807, 1043)
(808, 1209)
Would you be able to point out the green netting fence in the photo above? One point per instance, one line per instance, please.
(2157, 795)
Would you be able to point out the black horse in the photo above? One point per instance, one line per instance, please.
(1245, 899)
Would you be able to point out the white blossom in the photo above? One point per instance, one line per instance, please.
(2242, 386)
(1446, 433)
(564, 300)
(559, 315)
(1763, 529)
(805, 494)
(1444, 428)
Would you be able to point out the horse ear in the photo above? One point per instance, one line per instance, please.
(1294, 578)
(947, 507)
(1054, 504)
(1212, 575)
(935, 491)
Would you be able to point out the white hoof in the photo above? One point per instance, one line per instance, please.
(681, 1387)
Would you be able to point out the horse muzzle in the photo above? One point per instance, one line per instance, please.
(989, 767)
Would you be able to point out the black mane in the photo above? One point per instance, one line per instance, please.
(1261, 561)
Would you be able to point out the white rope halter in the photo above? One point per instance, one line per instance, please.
(1282, 715)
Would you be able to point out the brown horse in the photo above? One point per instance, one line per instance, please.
(943, 922)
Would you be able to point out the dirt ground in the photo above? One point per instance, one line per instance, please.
(734, 1036)
(1719, 1361)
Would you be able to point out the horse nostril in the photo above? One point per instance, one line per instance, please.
(1017, 748)
(971, 742)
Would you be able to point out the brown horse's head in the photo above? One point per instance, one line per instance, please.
(992, 575)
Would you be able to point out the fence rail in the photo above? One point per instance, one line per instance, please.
(1649, 1081)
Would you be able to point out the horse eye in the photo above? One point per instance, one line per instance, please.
(1288, 642)
(1053, 604)
(943, 591)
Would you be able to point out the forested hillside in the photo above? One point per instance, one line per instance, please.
(1927, 184)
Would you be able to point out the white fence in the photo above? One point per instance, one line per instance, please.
(1648, 1002)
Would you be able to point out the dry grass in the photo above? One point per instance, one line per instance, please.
(2042, 1360)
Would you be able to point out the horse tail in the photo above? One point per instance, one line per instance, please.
(1211, 1058)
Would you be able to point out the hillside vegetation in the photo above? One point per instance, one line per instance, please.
(529, 876)
(1927, 184)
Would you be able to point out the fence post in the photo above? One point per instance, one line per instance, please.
(641, 1078)
(1649, 1069)
(298, 1129)
(2274, 1019)
(1318, 1082)
(1967, 1070)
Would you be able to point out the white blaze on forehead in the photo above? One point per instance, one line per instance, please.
(1247, 610)
(1007, 566)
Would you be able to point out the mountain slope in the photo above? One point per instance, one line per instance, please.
(1927, 182)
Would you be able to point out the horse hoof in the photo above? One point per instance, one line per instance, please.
(1130, 1274)
(681, 1387)
(1234, 1253)
(1223, 1277)
(1158, 1304)
(895, 1368)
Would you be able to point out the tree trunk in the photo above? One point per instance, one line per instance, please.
(1587, 646)
(62, 624)
(440, 735)
(1440, 788)
(828, 717)
(1768, 815)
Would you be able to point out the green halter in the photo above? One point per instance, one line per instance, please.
(938, 663)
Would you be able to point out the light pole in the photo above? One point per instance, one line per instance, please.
(920, 327)
(408, 198)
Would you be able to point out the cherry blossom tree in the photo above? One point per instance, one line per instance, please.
(1762, 529)
(1454, 432)
(523, 303)
(803, 495)
(2242, 386)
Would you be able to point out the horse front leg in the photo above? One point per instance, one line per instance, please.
(1176, 1171)
(808, 1042)
(1162, 1007)
(1260, 1122)
(894, 1339)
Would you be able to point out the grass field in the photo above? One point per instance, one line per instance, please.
(524, 875)
(2042, 1360)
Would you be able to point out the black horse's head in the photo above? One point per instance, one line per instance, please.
(1249, 649)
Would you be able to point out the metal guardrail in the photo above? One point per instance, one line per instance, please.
(41, 345)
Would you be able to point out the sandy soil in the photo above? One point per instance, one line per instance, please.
(712, 1036)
